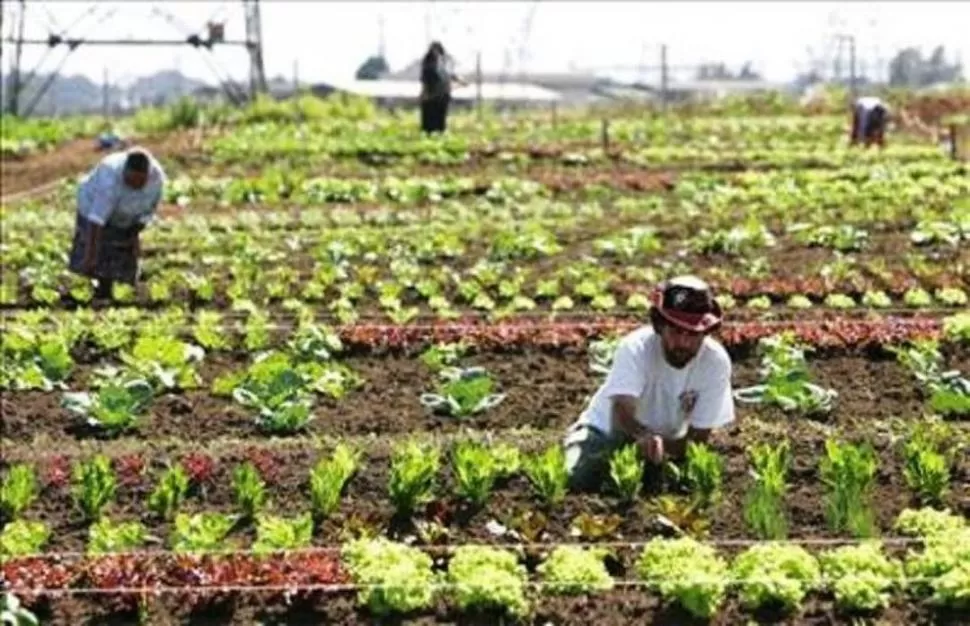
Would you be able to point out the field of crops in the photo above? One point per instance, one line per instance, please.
(338, 393)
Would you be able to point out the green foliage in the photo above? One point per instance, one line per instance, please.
(775, 575)
(394, 578)
(570, 570)
(94, 486)
(18, 490)
(488, 578)
(687, 572)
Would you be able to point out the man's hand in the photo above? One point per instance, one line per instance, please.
(652, 448)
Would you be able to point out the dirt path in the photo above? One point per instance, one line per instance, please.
(39, 173)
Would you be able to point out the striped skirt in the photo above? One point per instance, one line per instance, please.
(116, 259)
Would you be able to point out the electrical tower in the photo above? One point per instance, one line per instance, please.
(215, 36)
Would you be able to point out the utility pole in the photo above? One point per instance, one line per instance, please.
(13, 102)
(478, 83)
(664, 78)
(853, 80)
(381, 41)
(254, 43)
(105, 96)
(853, 73)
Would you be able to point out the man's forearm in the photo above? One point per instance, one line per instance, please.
(625, 421)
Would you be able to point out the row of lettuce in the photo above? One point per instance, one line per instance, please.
(394, 578)
(400, 579)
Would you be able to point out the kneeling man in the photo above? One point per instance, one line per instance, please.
(670, 383)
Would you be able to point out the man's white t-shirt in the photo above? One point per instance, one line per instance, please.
(671, 399)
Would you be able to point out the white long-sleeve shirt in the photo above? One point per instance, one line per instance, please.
(105, 199)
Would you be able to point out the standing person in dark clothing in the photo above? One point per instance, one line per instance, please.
(436, 80)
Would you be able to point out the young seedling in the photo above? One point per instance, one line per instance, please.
(94, 487)
(463, 392)
(785, 380)
(572, 571)
(168, 495)
(548, 474)
(115, 407)
(18, 491)
(328, 478)
(23, 538)
(848, 472)
(488, 578)
(413, 471)
(926, 471)
(626, 471)
(775, 574)
(277, 534)
(685, 571)
(203, 532)
(249, 490)
(704, 473)
(477, 467)
(764, 503)
(106, 536)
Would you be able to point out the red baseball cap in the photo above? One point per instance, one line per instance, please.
(688, 303)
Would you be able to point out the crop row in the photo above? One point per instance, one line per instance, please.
(394, 578)
(701, 155)
(774, 190)
(156, 383)
(218, 308)
(664, 140)
(352, 290)
(874, 193)
(21, 137)
(450, 485)
(766, 190)
(116, 328)
(747, 211)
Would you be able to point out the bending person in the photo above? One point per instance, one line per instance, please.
(870, 117)
(115, 201)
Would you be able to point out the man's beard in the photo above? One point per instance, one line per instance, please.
(678, 358)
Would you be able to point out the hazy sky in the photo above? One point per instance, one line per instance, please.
(330, 39)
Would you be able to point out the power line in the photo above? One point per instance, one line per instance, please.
(214, 37)
(193, 40)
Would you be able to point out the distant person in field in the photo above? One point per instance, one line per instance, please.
(115, 201)
(670, 383)
(870, 117)
(436, 83)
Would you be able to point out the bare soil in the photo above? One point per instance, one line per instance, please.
(78, 156)
(631, 607)
(543, 390)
